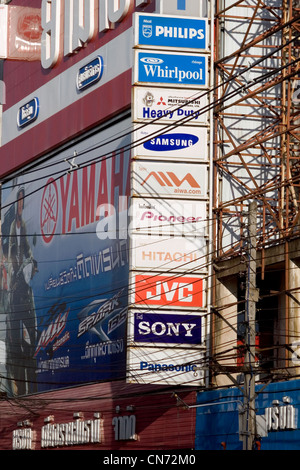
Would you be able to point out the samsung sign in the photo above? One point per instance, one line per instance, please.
(170, 32)
(171, 69)
(186, 143)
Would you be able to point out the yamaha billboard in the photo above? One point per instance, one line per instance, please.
(67, 272)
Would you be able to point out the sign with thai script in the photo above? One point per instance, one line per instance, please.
(70, 325)
(28, 113)
(76, 432)
(90, 73)
(23, 439)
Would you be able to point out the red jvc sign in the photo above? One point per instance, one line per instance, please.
(175, 291)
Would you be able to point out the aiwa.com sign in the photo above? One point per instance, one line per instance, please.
(171, 69)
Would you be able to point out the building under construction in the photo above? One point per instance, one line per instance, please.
(185, 336)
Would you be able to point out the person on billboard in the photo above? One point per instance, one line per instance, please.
(4, 308)
(22, 326)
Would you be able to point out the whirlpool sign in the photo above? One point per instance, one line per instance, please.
(171, 69)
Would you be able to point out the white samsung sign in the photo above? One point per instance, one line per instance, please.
(167, 142)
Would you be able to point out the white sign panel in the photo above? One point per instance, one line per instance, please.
(178, 142)
(164, 253)
(173, 217)
(172, 366)
(178, 180)
(167, 105)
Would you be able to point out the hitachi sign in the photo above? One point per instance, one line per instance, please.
(80, 21)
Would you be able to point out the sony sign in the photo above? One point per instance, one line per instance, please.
(167, 328)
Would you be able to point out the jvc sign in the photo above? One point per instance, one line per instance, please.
(170, 32)
(172, 69)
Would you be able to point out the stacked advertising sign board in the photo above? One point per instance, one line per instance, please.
(169, 201)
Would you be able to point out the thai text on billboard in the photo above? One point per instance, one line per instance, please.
(66, 290)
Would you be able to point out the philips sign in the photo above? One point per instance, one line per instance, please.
(28, 113)
(170, 32)
(171, 69)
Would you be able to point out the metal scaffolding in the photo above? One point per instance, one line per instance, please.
(256, 156)
(256, 132)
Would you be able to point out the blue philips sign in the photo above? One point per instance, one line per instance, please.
(171, 32)
(171, 69)
(28, 113)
